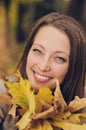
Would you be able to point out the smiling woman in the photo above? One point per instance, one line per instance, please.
(55, 50)
(48, 58)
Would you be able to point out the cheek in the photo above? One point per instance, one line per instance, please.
(60, 72)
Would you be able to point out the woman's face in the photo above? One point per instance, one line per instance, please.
(48, 58)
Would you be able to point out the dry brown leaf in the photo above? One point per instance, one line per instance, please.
(13, 111)
(5, 99)
(45, 105)
(45, 114)
(77, 104)
(58, 97)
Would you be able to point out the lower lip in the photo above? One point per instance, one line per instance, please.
(40, 80)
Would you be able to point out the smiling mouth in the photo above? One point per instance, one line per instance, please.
(41, 78)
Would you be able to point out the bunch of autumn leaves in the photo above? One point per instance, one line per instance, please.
(42, 110)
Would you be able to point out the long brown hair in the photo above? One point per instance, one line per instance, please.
(74, 81)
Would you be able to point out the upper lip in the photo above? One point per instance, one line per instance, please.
(42, 74)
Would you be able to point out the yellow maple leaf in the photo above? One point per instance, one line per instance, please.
(44, 94)
(23, 122)
(78, 117)
(46, 125)
(69, 126)
(22, 94)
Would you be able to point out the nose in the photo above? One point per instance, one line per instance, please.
(44, 66)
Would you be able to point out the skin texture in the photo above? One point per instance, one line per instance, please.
(48, 58)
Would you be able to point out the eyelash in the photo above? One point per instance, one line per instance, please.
(61, 59)
(37, 50)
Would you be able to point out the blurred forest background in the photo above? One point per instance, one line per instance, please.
(16, 18)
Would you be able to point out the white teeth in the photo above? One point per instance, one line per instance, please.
(42, 78)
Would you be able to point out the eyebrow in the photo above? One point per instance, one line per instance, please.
(38, 45)
(63, 52)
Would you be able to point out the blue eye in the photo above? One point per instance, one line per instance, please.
(60, 59)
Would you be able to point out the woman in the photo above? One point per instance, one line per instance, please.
(74, 79)
(55, 49)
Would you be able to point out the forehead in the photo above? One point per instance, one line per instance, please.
(52, 38)
(50, 30)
